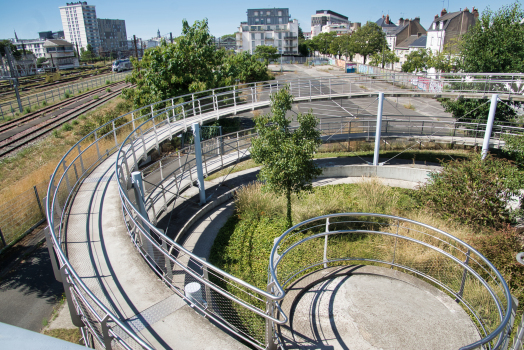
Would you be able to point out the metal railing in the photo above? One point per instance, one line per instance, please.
(133, 136)
(418, 249)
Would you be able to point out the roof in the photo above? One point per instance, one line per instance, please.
(382, 23)
(445, 18)
(413, 41)
(56, 42)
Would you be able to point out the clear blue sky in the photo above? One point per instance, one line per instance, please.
(143, 18)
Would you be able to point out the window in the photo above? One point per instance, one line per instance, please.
(268, 21)
(252, 36)
(280, 13)
(257, 20)
(261, 21)
(280, 20)
(268, 13)
(255, 13)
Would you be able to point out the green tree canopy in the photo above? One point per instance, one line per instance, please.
(191, 64)
(322, 42)
(417, 61)
(267, 53)
(286, 155)
(369, 39)
(496, 42)
(383, 57)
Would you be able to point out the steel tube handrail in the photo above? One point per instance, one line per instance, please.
(236, 92)
(504, 320)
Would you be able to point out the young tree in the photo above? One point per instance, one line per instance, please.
(383, 57)
(16, 54)
(417, 61)
(322, 42)
(267, 53)
(369, 39)
(286, 155)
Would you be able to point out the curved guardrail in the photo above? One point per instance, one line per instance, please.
(132, 136)
(409, 246)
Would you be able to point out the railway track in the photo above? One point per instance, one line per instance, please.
(45, 110)
(40, 128)
(7, 95)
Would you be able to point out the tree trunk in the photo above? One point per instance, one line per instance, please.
(288, 197)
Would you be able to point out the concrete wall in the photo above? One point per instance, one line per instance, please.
(403, 173)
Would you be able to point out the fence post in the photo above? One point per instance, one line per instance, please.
(38, 201)
(2, 238)
(489, 125)
(81, 160)
(378, 128)
(52, 256)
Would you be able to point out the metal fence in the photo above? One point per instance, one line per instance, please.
(133, 136)
(21, 214)
(60, 93)
(406, 245)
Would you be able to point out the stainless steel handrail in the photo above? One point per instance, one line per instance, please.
(51, 201)
(276, 258)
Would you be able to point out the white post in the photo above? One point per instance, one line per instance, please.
(379, 125)
(489, 125)
(198, 159)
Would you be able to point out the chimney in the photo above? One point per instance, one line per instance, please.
(417, 19)
(436, 16)
(443, 12)
(475, 13)
(419, 34)
(400, 21)
(387, 19)
(466, 10)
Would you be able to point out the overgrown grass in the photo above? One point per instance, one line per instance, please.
(243, 245)
(70, 335)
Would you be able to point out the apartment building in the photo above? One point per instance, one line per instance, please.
(322, 17)
(113, 36)
(36, 46)
(60, 54)
(268, 26)
(80, 25)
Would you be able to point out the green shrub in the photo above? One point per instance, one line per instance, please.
(44, 103)
(95, 97)
(67, 95)
(27, 110)
(74, 122)
(67, 127)
(108, 90)
(82, 117)
(108, 82)
(475, 192)
(56, 133)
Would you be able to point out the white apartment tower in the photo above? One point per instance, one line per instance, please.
(80, 25)
(268, 26)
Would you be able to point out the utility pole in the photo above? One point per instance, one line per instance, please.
(171, 37)
(14, 74)
(136, 50)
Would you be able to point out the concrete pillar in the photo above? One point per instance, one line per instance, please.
(198, 159)
(379, 125)
(489, 125)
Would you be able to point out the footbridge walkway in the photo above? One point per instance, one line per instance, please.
(129, 285)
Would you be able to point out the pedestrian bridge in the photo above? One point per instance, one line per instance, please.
(129, 285)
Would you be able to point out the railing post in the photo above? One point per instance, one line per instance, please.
(75, 317)
(326, 243)
(169, 269)
(105, 333)
(378, 128)
(38, 201)
(205, 275)
(464, 275)
(66, 176)
(489, 125)
(235, 99)
(270, 340)
(96, 144)
(238, 148)
(114, 134)
(81, 160)
(310, 90)
(198, 159)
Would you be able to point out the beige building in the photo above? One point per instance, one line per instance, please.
(60, 54)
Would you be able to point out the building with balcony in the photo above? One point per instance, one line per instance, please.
(51, 35)
(322, 17)
(60, 54)
(113, 37)
(80, 25)
(36, 46)
(271, 27)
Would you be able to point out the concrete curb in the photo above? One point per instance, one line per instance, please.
(206, 209)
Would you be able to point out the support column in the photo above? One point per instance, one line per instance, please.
(379, 126)
(198, 159)
(138, 187)
(489, 125)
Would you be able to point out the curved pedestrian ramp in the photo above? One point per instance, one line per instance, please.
(369, 307)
